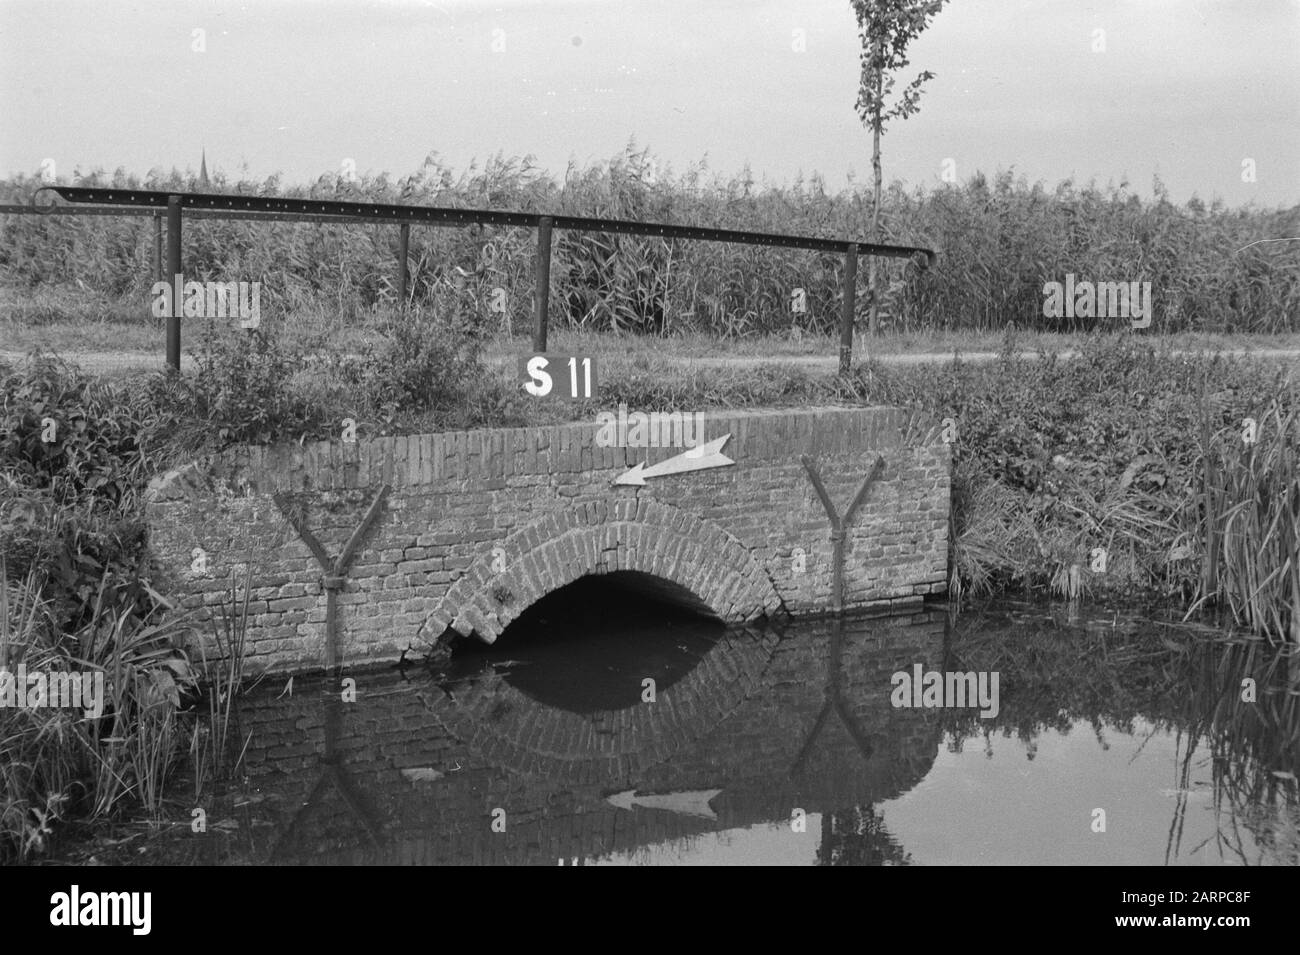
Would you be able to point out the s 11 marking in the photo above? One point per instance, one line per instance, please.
(569, 377)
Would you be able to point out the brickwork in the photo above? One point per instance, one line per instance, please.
(480, 524)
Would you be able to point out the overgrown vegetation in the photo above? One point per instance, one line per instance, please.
(1249, 520)
(59, 762)
(76, 454)
(999, 239)
(1127, 470)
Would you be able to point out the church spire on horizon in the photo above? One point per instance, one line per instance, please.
(203, 168)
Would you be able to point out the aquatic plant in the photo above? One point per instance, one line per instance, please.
(56, 762)
(222, 684)
(1248, 520)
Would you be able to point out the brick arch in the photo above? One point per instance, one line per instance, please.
(700, 563)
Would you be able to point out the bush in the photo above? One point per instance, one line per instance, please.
(75, 454)
(1098, 452)
(243, 391)
(421, 365)
(69, 435)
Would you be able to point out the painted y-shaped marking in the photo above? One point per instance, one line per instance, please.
(335, 575)
(839, 524)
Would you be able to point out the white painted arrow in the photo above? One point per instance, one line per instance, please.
(707, 455)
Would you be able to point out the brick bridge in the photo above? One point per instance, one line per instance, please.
(360, 550)
(413, 771)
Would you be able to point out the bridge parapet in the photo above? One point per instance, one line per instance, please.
(464, 530)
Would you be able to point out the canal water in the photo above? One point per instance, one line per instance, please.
(604, 729)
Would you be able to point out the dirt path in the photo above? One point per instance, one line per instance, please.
(112, 362)
(831, 362)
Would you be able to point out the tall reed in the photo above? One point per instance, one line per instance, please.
(223, 677)
(1001, 239)
(1249, 522)
(56, 762)
(40, 761)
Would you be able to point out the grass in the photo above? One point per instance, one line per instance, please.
(655, 350)
(65, 320)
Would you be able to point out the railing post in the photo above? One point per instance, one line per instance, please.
(157, 247)
(403, 244)
(846, 306)
(178, 285)
(542, 282)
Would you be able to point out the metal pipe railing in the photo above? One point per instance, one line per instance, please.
(124, 202)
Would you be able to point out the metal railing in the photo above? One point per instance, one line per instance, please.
(122, 202)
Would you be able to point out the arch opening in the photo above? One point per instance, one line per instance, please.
(590, 645)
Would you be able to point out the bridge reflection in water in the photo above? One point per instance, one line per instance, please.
(548, 734)
(551, 738)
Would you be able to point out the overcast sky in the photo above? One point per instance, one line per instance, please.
(1187, 89)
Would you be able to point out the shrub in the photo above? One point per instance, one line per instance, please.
(74, 457)
(420, 364)
(243, 390)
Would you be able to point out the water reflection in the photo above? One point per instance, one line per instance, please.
(781, 745)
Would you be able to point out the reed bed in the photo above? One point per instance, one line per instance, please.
(59, 763)
(1000, 239)
(1248, 525)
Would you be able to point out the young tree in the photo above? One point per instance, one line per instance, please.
(885, 29)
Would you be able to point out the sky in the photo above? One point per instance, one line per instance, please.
(1203, 93)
